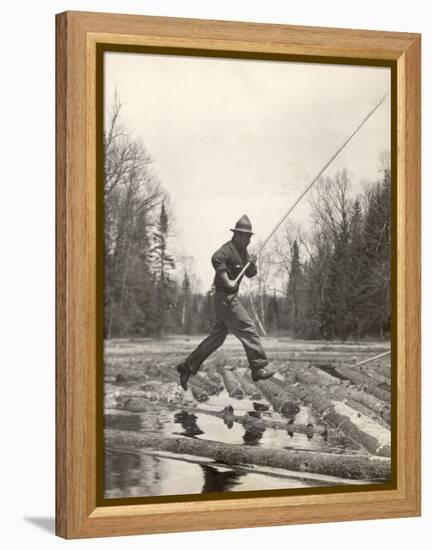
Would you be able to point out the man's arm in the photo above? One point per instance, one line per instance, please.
(226, 281)
(219, 263)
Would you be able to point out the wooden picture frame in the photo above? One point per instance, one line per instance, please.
(78, 514)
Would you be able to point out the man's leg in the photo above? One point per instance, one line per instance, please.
(241, 325)
(213, 341)
(193, 362)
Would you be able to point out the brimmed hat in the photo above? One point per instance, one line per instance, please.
(243, 225)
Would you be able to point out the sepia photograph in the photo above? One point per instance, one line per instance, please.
(247, 275)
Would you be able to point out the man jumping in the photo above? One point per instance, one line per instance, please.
(228, 262)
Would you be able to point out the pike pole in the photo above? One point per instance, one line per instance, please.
(374, 358)
(310, 185)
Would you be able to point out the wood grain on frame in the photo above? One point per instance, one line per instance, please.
(78, 34)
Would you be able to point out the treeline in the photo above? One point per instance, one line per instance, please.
(332, 282)
(147, 290)
(338, 276)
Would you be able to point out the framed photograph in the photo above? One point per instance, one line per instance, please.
(238, 275)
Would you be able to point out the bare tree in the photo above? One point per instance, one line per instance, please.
(331, 204)
(131, 193)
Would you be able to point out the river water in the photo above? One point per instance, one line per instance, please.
(146, 473)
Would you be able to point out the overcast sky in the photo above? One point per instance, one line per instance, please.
(230, 137)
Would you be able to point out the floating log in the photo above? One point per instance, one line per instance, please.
(116, 377)
(383, 368)
(362, 429)
(363, 402)
(341, 393)
(376, 375)
(209, 385)
(341, 465)
(315, 375)
(139, 371)
(376, 408)
(214, 377)
(199, 394)
(366, 399)
(199, 382)
(231, 383)
(289, 374)
(153, 391)
(364, 381)
(386, 415)
(282, 401)
(371, 435)
(248, 386)
(197, 386)
(363, 410)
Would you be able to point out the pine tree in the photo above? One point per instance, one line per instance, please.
(162, 262)
(377, 233)
(357, 270)
(184, 305)
(315, 279)
(295, 292)
(272, 318)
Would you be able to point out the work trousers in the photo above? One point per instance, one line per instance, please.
(230, 317)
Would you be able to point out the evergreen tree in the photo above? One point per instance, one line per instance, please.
(272, 318)
(337, 311)
(184, 305)
(162, 262)
(295, 292)
(378, 254)
(357, 269)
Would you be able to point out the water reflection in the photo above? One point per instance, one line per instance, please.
(130, 474)
(188, 422)
(122, 470)
(216, 480)
(228, 417)
(253, 436)
(137, 474)
(254, 428)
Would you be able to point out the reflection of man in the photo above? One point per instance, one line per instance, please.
(216, 481)
(228, 262)
(253, 435)
(188, 422)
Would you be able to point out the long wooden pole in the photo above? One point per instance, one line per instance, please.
(371, 359)
(310, 185)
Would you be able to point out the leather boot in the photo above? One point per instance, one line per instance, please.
(262, 373)
(185, 374)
